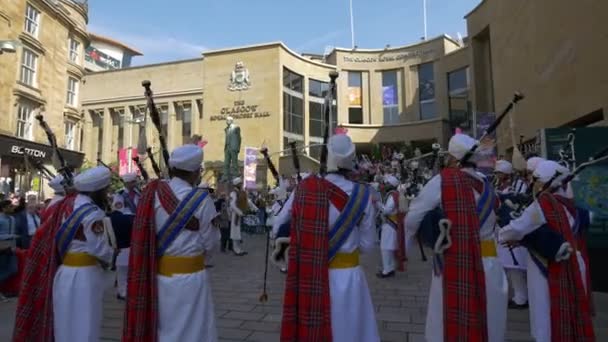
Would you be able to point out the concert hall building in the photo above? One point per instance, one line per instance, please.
(417, 94)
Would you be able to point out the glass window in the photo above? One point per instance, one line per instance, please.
(164, 120)
(390, 97)
(354, 79)
(74, 48)
(315, 152)
(25, 120)
(293, 81)
(72, 96)
(32, 20)
(293, 114)
(426, 88)
(355, 115)
(459, 104)
(318, 88)
(354, 89)
(185, 115)
(70, 134)
(29, 63)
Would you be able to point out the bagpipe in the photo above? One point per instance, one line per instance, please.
(59, 161)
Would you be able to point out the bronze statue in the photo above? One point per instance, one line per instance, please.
(232, 147)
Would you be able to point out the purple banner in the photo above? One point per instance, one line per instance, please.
(250, 168)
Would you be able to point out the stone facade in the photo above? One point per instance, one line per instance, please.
(44, 75)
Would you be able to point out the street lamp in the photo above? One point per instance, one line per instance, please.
(8, 46)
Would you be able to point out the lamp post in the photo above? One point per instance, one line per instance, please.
(8, 46)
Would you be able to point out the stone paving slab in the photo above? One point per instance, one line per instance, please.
(400, 302)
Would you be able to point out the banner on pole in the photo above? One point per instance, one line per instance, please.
(123, 161)
(250, 168)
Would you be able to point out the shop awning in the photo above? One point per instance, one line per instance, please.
(15, 147)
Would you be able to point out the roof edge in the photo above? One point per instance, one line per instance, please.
(443, 36)
(145, 66)
(111, 41)
(475, 9)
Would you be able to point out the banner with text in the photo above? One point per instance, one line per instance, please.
(250, 168)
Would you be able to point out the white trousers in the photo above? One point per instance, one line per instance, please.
(517, 279)
(122, 273)
(237, 246)
(78, 303)
(388, 261)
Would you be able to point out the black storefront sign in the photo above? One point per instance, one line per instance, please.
(15, 147)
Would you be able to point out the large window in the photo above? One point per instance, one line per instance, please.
(25, 119)
(426, 88)
(70, 135)
(164, 121)
(293, 103)
(459, 104)
(318, 88)
(74, 49)
(184, 114)
(390, 97)
(29, 64)
(32, 20)
(72, 95)
(355, 101)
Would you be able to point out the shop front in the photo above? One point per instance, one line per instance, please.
(19, 175)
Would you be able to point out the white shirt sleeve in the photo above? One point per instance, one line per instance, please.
(367, 231)
(283, 216)
(427, 200)
(96, 243)
(233, 205)
(210, 233)
(530, 220)
(389, 207)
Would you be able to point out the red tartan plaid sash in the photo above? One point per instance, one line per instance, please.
(34, 314)
(400, 253)
(141, 313)
(306, 305)
(464, 289)
(169, 202)
(570, 311)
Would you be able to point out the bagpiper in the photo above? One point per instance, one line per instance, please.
(168, 292)
(240, 203)
(61, 297)
(326, 293)
(468, 295)
(392, 231)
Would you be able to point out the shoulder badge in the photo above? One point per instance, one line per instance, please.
(97, 228)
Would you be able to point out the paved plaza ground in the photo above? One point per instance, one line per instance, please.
(237, 281)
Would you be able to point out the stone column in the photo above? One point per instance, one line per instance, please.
(197, 124)
(108, 134)
(171, 126)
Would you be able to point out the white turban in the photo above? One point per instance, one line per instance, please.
(129, 177)
(532, 163)
(392, 180)
(504, 166)
(57, 184)
(93, 179)
(187, 158)
(340, 153)
(460, 144)
(547, 169)
(237, 181)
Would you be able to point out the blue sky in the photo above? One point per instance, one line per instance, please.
(166, 30)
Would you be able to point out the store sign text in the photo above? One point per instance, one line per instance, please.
(29, 151)
(387, 58)
(240, 110)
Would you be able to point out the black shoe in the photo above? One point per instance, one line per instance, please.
(208, 266)
(513, 305)
(381, 275)
(119, 297)
(240, 254)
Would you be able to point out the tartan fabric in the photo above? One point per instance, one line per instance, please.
(400, 254)
(48, 212)
(141, 313)
(464, 290)
(169, 202)
(34, 314)
(570, 311)
(306, 305)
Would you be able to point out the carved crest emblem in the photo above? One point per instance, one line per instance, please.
(239, 79)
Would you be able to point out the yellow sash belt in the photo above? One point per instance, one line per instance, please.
(79, 260)
(488, 249)
(170, 265)
(345, 260)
